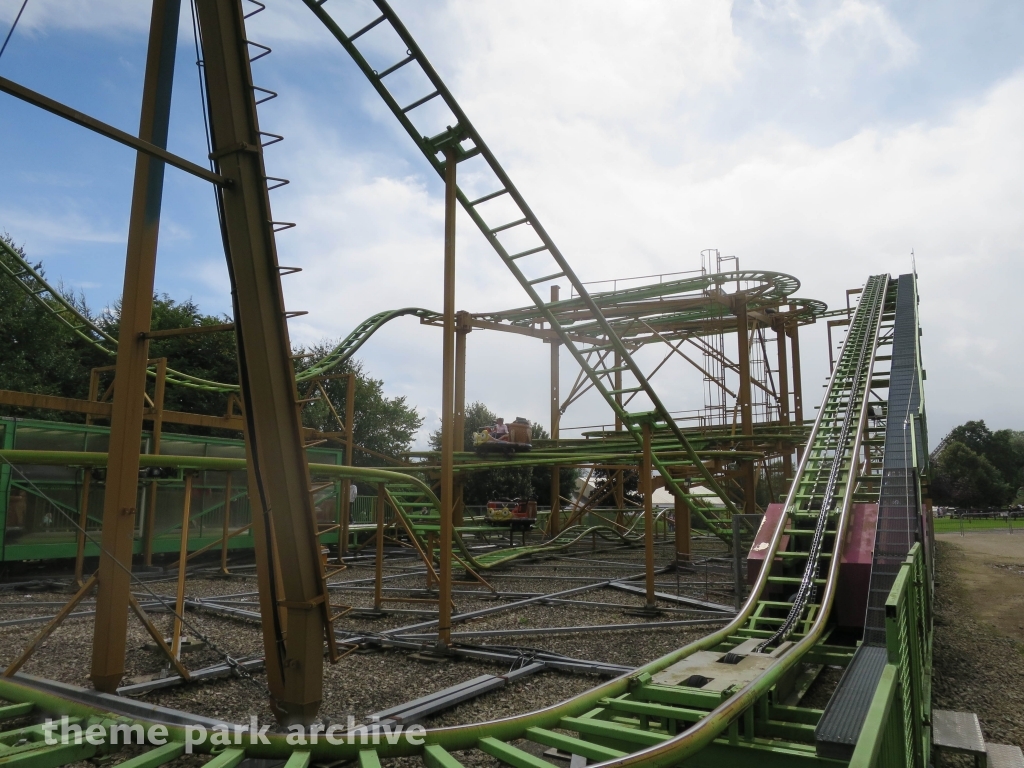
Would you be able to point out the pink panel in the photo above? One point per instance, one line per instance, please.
(758, 550)
(855, 567)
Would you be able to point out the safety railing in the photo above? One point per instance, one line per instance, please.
(894, 734)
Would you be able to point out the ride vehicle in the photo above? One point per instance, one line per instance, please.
(518, 514)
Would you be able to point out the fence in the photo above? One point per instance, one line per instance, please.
(40, 506)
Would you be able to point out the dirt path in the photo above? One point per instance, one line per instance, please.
(991, 568)
(978, 651)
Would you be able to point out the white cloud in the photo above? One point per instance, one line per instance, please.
(58, 228)
(598, 112)
(91, 15)
(578, 142)
(860, 27)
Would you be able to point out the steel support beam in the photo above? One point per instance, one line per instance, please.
(682, 511)
(120, 499)
(284, 524)
(378, 564)
(350, 443)
(225, 524)
(151, 148)
(148, 522)
(747, 468)
(179, 601)
(444, 594)
(784, 411)
(647, 489)
(555, 518)
(462, 330)
(798, 396)
(619, 477)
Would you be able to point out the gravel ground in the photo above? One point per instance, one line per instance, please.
(976, 668)
(374, 679)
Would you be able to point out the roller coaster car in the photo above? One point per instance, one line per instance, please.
(517, 440)
(517, 514)
(500, 447)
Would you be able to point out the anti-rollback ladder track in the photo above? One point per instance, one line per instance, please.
(546, 262)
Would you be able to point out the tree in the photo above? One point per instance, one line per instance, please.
(505, 482)
(40, 353)
(1006, 452)
(541, 479)
(210, 356)
(383, 424)
(1003, 450)
(964, 478)
(972, 434)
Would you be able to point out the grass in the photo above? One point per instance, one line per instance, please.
(952, 525)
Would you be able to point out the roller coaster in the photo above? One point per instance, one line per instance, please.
(722, 699)
(734, 697)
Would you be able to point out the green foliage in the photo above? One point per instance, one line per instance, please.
(382, 424)
(604, 481)
(964, 478)
(974, 466)
(40, 354)
(210, 356)
(506, 482)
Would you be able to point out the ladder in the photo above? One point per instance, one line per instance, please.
(420, 514)
(520, 241)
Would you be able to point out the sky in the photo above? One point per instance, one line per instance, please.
(827, 139)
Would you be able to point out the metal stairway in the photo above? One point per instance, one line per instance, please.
(421, 518)
(518, 238)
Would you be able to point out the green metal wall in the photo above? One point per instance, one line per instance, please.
(40, 505)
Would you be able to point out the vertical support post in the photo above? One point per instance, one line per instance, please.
(7, 441)
(149, 522)
(746, 408)
(683, 534)
(346, 484)
(226, 525)
(284, 523)
(114, 574)
(430, 560)
(737, 561)
(83, 508)
(378, 566)
(555, 518)
(798, 397)
(444, 595)
(83, 521)
(780, 339)
(619, 478)
(831, 357)
(646, 470)
(179, 600)
(462, 329)
(94, 390)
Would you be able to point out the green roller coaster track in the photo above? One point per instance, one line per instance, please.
(53, 301)
(644, 309)
(664, 713)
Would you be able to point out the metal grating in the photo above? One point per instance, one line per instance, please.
(898, 525)
(841, 724)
